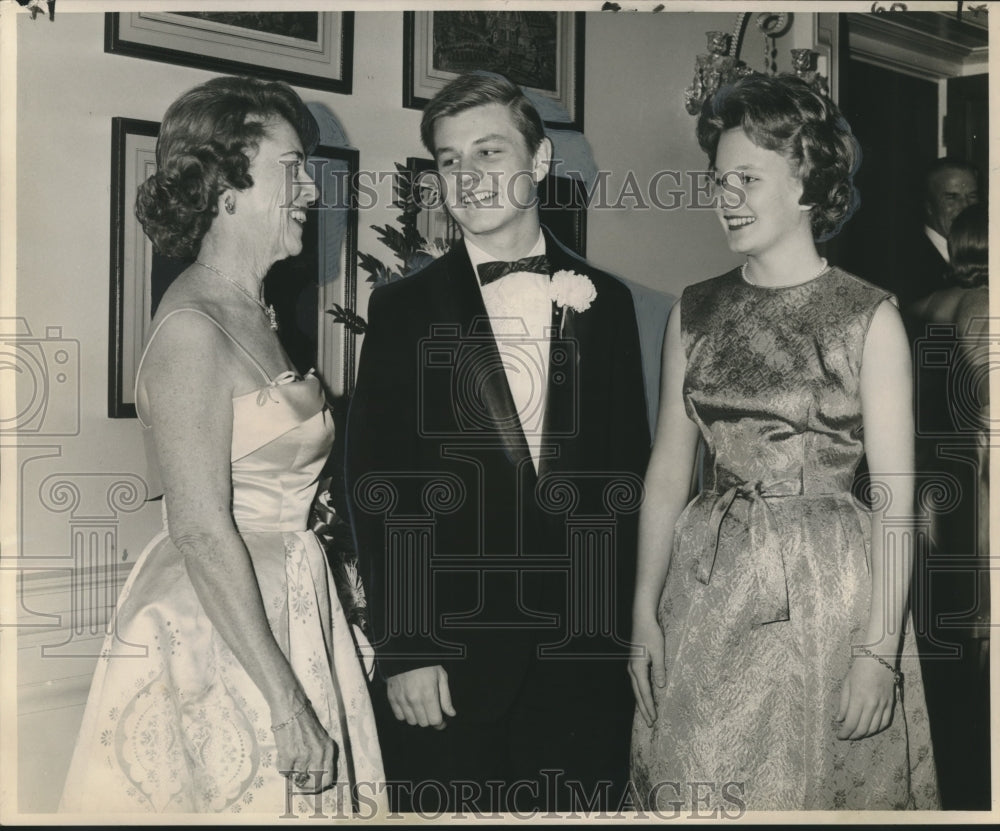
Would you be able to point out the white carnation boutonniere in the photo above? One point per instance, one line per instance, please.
(569, 290)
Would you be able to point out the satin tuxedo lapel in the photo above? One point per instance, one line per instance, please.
(493, 403)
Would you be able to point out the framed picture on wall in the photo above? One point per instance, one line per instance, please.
(542, 51)
(307, 49)
(301, 288)
(433, 222)
(133, 160)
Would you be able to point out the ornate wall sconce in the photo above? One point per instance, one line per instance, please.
(723, 64)
(804, 65)
(719, 67)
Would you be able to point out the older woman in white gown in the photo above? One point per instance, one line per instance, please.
(250, 696)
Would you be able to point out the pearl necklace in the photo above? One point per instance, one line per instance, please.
(744, 270)
(268, 310)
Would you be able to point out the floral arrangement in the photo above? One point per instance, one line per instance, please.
(406, 242)
(335, 535)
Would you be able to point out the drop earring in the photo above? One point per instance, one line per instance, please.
(230, 205)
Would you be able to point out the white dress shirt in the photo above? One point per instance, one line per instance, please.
(938, 241)
(520, 311)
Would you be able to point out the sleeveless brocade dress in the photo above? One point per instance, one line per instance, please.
(173, 723)
(769, 581)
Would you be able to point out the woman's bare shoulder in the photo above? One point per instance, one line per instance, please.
(941, 306)
(187, 340)
(973, 311)
(186, 293)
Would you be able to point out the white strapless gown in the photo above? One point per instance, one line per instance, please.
(183, 728)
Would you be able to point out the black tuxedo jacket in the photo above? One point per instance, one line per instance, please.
(920, 269)
(475, 561)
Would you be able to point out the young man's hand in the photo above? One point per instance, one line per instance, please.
(420, 696)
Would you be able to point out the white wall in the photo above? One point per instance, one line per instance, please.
(637, 67)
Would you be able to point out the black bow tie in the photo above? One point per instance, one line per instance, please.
(488, 272)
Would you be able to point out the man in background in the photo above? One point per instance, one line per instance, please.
(950, 186)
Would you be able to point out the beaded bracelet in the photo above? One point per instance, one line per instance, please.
(291, 718)
(897, 676)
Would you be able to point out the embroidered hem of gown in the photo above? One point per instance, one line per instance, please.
(174, 723)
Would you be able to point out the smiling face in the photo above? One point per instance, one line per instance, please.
(272, 211)
(490, 177)
(949, 192)
(767, 212)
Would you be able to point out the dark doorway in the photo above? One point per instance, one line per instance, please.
(967, 125)
(894, 117)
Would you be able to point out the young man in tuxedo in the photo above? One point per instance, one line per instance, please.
(496, 445)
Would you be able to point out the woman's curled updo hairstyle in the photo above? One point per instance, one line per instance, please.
(202, 150)
(969, 247)
(784, 114)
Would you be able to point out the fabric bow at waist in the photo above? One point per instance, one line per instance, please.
(765, 555)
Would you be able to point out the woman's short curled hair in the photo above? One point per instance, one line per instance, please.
(968, 247)
(204, 148)
(783, 113)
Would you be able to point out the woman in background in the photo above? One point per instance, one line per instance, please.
(967, 298)
(231, 682)
(769, 612)
(958, 685)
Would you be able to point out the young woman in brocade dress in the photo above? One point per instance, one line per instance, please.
(770, 612)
